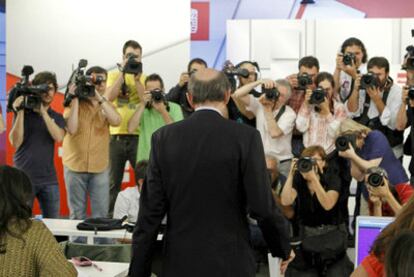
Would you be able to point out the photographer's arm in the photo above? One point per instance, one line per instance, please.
(113, 117)
(54, 130)
(113, 90)
(272, 126)
(241, 94)
(402, 120)
(134, 121)
(17, 132)
(72, 122)
(162, 109)
(289, 194)
(2, 125)
(353, 101)
(327, 199)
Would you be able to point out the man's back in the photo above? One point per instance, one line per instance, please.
(205, 172)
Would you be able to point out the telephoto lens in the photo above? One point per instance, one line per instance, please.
(376, 179)
(305, 164)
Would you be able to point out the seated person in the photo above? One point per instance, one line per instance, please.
(316, 188)
(127, 202)
(385, 199)
(400, 256)
(27, 247)
(373, 265)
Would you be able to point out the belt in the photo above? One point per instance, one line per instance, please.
(287, 160)
(126, 136)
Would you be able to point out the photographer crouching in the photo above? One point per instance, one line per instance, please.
(86, 144)
(36, 128)
(315, 188)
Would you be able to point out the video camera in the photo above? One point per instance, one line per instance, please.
(84, 84)
(132, 66)
(342, 142)
(305, 164)
(32, 94)
(318, 96)
(271, 94)
(304, 80)
(349, 59)
(369, 80)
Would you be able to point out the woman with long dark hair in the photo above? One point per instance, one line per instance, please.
(27, 248)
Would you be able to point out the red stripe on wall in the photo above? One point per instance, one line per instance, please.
(382, 8)
(301, 11)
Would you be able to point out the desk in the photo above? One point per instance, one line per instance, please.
(67, 227)
(108, 270)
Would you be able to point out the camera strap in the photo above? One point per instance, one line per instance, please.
(281, 111)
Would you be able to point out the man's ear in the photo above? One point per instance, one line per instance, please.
(190, 99)
(227, 96)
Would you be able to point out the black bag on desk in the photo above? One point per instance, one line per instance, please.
(101, 224)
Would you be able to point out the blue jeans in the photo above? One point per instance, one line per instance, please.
(49, 199)
(79, 185)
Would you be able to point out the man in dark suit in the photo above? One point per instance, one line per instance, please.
(206, 173)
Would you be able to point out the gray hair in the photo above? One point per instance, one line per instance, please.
(211, 90)
(285, 83)
(272, 156)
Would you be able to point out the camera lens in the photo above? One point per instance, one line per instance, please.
(304, 165)
(375, 179)
(341, 143)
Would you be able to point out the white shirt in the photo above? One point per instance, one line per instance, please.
(127, 203)
(389, 114)
(345, 81)
(281, 146)
(208, 108)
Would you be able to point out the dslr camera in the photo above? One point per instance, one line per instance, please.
(411, 93)
(317, 96)
(305, 164)
(271, 94)
(304, 80)
(32, 95)
(157, 96)
(376, 177)
(132, 66)
(342, 142)
(369, 80)
(84, 83)
(349, 59)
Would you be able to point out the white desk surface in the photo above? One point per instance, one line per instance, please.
(108, 270)
(67, 227)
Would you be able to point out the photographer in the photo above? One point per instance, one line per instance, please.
(300, 82)
(86, 147)
(350, 62)
(178, 93)
(33, 135)
(153, 112)
(368, 149)
(124, 89)
(376, 105)
(405, 116)
(315, 189)
(274, 119)
(385, 199)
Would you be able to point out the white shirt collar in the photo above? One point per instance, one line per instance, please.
(208, 108)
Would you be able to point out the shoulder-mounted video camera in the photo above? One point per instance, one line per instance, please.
(84, 83)
(232, 71)
(32, 94)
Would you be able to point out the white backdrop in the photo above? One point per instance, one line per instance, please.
(277, 45)
(54, 34)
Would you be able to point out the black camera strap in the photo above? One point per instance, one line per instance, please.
(280, 113)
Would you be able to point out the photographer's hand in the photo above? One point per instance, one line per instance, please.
(162, 109)
(284, 264)
(293, 80)
(267, 83)
(374, 94)
(351, 70)
(324, 106)
(18, 103)
(184, 77)
(349, 153)
(54, 130)
(308, 95)
(339, 62)
(17, 131)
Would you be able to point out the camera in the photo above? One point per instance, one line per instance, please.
(231, 72)
(376, 177)
(305, 164)
(271, 94)
(32, 95)
(342, 142)
(349, 59)
(317, 96)
(304, 80)
(132, 66)
(369, 80)
(409, 58)
(157, 95)
(84, 84)
(411, 93)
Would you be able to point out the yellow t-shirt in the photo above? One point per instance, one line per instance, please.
(125, 105)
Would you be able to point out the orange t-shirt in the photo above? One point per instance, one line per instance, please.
(373, 266)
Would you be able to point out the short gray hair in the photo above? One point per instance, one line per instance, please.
(211, 90)
(285, 83)
(272, 156)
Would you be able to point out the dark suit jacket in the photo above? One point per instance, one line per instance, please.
(206, 173)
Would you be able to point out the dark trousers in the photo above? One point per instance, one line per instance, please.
(122, 148)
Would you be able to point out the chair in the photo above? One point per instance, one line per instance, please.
(120, 253)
